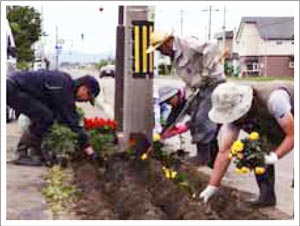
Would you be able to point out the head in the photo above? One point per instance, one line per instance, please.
(230, 103)
(169, 95)
(161, 41)
(87, 89)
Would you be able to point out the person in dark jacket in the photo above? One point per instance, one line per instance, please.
(46, 96)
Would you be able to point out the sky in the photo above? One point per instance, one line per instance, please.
(99, 27)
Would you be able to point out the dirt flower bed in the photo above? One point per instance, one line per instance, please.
(141, 182)
(124, 189)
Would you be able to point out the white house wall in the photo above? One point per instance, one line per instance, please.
(271, 48)
(249, 43)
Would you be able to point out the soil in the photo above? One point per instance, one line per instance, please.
(127, 189)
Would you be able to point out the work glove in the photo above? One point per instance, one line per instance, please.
(91, 154)
(208, 192)
(176, 130)
(271, 158)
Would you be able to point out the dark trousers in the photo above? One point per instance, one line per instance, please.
(40, 115)
(204, 132)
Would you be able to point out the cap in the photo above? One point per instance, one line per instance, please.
(166, 92)
(92, 85)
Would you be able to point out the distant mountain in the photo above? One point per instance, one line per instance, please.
(78, 57)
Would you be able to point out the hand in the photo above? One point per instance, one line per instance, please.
(208, 192)
(271, 159)
(89, 151)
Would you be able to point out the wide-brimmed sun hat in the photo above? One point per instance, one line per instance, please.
(230, 102)
(157, 38)
(166, 92)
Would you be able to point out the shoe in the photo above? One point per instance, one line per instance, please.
(29, 161)
(29, 151)
(260, 202)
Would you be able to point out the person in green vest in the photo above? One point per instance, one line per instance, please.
(266, 108)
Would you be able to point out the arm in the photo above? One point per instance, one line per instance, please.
(69, 116)
(227, 136)
(287, 125)
(280, 107)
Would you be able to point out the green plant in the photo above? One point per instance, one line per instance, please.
(61, 141)
(25, 23)
(57, 191)
(102, 143)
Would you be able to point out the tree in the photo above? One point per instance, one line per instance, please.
(25, 23)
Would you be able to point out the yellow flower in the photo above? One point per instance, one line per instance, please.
(260, 170)
(173, 174)
(230, 156)
(238, 146)
(240, 155)
(233, 151)
(167, 174)
(238, 170)
(144, 156)
(163, 168)
(254, 136)
(156, 137)
(245, 169)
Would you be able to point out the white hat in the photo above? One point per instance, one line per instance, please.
(230, 101)
(166, 92)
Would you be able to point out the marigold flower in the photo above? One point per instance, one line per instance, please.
(240, 155)
(156, 137)
(245, 169)
(144, 156)
(173, 174)
(238, 170)
(254, 136)
(260, 170)
(167, 174)
(238, 146)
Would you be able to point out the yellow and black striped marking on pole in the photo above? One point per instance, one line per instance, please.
(142, 64)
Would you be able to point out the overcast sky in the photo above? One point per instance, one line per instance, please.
(99, 28)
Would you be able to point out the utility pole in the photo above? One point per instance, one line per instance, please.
(56, 49)
(138, 91)
(224, 29)
(181, 22)
(119, 79)
(210, 9)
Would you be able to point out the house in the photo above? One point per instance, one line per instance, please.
(265, 46)
(228, 41)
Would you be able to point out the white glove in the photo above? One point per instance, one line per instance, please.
(270, 159)
(89, 151)
(208, 192)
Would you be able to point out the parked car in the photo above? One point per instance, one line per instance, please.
(108, 71)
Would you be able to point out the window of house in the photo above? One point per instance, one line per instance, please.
(292, 42)
(278, 42)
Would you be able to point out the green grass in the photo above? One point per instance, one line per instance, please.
(268, 78)
(286, 78)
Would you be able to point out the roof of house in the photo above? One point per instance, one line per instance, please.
(272, 27)
(228, 35)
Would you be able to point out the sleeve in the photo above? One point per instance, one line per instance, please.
(279, 103)
(69, 116)
(210, 52)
